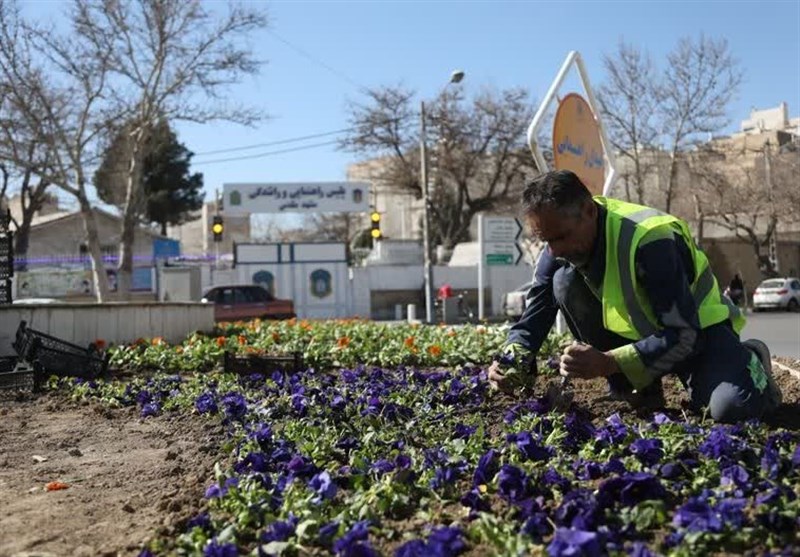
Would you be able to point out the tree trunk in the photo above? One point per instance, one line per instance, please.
(164, 228)
(22, 238)
(129, 218)
(639, 181)
(99, 277)
(700, 216)
(673, 171)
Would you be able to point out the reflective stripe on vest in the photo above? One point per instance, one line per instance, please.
(700, 289)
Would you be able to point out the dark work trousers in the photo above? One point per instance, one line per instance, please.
(717, 378)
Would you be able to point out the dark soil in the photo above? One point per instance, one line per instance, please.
(129, 478)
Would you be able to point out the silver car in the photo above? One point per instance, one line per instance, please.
(777, 293)
(514, 301)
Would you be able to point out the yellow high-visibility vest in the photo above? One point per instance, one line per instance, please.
(626, 308)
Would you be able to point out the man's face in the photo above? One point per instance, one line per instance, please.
(567, 237)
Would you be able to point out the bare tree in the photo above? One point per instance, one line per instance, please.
(480, 149)
(167, 60)
(699, 81)
(336, 227)
(628, 101)
(32, 192)
(749, 193)
(59, 96)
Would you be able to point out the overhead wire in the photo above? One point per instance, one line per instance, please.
(268, 153)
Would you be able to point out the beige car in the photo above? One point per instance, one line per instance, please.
(243, 302)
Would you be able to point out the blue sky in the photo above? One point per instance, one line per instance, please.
(497, 44)
(320, 55)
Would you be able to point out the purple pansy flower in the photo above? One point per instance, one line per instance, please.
(328, 531)
(639, 549)
(216, 549)
(647, 451)
(235, 406)
(530, 447)
(578, 509)
(554, 479)
(512, 483)
(630, 489)
(280, 530)
(731, 511)
(215, 490)
(323, 486)
(486, 468)
(697, 516)
(735, 475)
(357, 533)
(202, 521)
(206, 404)
(464, 431)
(150, 409)
(569, 542)
(473, 500)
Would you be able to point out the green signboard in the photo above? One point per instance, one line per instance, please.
(499, 259)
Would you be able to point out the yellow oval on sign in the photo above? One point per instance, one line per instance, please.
(576, 142)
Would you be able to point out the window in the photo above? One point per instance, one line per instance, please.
(225, 296)
(796, 285)
(259, 294)
(243, 296)
(211, 296)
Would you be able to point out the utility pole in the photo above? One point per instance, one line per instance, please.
(773, 239)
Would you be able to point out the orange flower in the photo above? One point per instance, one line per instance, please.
(434, 350)
(305, 325)
(242, 340)
(343, 342)
(221, 341)
(179, 349)
(276, 338)
(157, 341)
(409, 342)
(55, 486)
(99, 343)
(451, 333)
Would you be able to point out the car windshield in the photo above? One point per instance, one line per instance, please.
(774, 283)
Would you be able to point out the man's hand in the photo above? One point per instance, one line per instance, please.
(499, 381)
(510, 380)
(582, 361)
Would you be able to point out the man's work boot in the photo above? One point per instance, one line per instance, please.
(772, 391)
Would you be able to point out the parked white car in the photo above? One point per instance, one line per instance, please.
(778, 293)
(514, 301)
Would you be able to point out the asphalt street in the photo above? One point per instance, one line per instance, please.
(781, 332)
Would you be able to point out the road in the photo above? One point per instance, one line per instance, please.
(781, 332)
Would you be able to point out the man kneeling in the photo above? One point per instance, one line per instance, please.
(642, 301)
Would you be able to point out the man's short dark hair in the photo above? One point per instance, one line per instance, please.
(561, 190)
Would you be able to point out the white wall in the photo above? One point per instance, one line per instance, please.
(115, 323)
(498, 279)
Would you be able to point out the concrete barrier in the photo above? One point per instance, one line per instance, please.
(115, 323)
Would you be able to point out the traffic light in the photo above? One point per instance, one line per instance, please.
(217, 228)
(375, 217)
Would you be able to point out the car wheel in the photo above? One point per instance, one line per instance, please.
(793, 305)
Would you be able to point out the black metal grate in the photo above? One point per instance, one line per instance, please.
(257, 363)
(54, 356)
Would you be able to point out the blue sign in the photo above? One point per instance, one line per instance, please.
(166, 247)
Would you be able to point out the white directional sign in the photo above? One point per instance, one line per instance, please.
(500, 235)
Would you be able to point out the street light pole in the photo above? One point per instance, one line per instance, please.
(426, 218)
(455, 77)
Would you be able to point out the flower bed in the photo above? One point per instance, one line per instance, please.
(386, 455)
